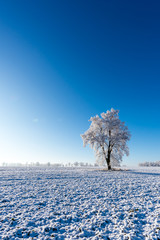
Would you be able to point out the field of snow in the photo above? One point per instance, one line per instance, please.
(48, 203)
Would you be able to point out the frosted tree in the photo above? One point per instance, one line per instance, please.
(108, 137)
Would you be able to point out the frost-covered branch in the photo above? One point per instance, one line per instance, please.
(108, 136)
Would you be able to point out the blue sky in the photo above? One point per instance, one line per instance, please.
(62, 62)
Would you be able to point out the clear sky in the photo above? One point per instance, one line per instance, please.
(62, 62)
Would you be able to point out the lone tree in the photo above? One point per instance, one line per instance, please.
(108, 136)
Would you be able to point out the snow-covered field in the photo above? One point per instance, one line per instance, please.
(48, 203)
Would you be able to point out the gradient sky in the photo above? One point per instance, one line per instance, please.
(62, 62)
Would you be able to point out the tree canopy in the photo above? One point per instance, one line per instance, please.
(108, 136)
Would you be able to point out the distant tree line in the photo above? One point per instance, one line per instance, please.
(48, 164)
(150, 164)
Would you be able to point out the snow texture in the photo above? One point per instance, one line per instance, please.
(49, 203)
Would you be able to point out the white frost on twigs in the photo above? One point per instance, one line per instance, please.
(107, 135)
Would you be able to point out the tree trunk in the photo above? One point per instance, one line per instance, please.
(108, 160)
(109, 153)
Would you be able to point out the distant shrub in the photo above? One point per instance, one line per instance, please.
(150, 164)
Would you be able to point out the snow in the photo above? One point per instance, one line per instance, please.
(76, 203)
